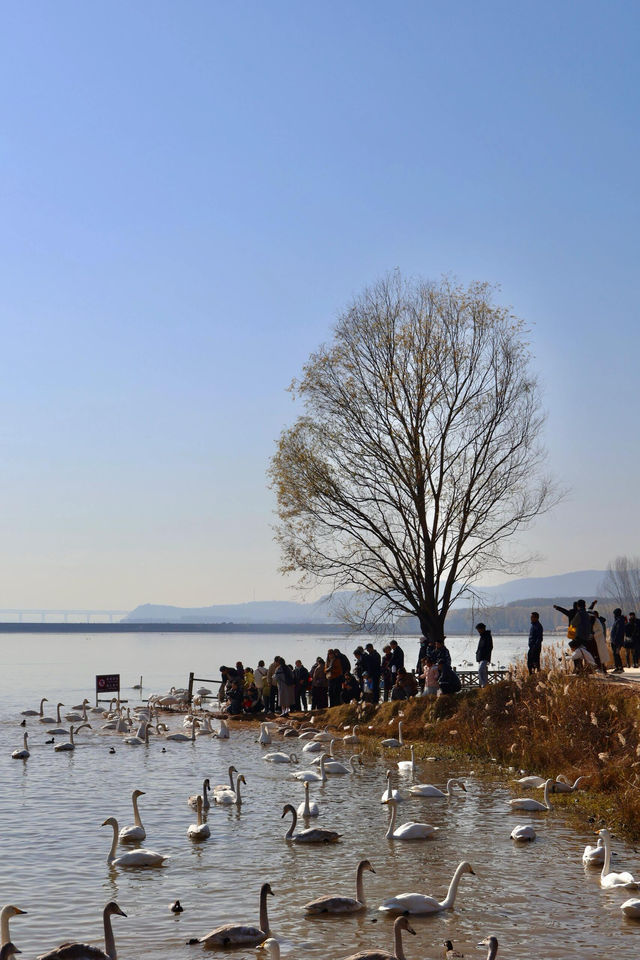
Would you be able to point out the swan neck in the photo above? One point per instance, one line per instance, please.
(109, 941)
(24, 739)
(493, 951)
(114, 844)
(231, 778)
(136, 812)
(546, 795)
(4, 927)
(58, 717)
(401, 744)
(307, 809)
(264, 919)
(606, 866)
(453, 887)
(199, 810)
(392, 824)
(322, 769)
(71, 735)
(204, 792)
(238, 795)
(398, 950)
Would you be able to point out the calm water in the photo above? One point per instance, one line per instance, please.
(537, 899)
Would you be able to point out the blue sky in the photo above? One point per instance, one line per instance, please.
(191, 192)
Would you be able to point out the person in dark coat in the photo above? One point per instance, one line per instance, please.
(616, 638)
(387, 675)
(397, 657)
(301, 676)
(422, 656)
(536, 634)
(581, 623)
(483, 653)
(374, 669)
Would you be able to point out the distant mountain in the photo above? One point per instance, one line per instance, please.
(582, 583)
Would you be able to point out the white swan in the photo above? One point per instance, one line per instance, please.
(134, 858)
(193, 801)
(409, 830)
(607, 878)
(316, 760)
(57, 719)
(223, 732)
(323, 736)
(182, 737)
(70, 745)
(531, 781)
(280, 757)
(353, 736)
(419, 903)
(35, 713)
(199, 830)
(314, 746)
(74, 717)
(228, 797)
(24, 753)
(527, 803)
(236, 933)
(393, 742)
(311, 775)
(523, 833)
(391, 794)
(400, 924)
(265, 736)
(335, 767)
(205, 729)
(139, 741)
(428, 790)
(6, 914)
(307, 809)
(222, 787)
(341, 904)
(311, 834)
(136, 832)
(408, 766)
(563, 786)
(84, 951)
(594, 856)
(631, 908)
(272, 947)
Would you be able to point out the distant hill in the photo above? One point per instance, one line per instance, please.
(582, 583)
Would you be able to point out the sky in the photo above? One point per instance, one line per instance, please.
(192, 192)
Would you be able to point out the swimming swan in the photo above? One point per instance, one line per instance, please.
(6, 914)
(594, 856)
(8, 950)
(390, 794)
(24, 753)
(409, 830)
(84, 951)
(428, 790)
(311, 775)
(74, 717)
(341, 904)
(419, 903)
(199, 830)
(353, 736)
(280, 757)
(227, 797)
(57, 719)
(608, 879)
(307, 809)
(527, 803)
(563, 786)
(61, 747)
(139, 741)
(400, 924)
(265, 736)
(392, 742)
(492, 943)
(136, 832)
(223, 732)
(335, 767)
(523, 833)
(182, 737)
(531, 781)
(193, 801)
(221, 787)
(134, 858)
(408, 766)
(311, 834)
(36, 713)
(235, 933)
(631, 908)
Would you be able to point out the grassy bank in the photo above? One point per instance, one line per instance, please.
(548, 724)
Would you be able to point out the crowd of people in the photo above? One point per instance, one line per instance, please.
(587, 636)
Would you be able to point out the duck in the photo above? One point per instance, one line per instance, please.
(391, 794)
(230, 934)
(35, 713)
(199, 830)
(280, 757)
(594, 856)
(341, 904)
(23, 754)
(6, 914)
(84, 951)
(400, 924)
(394, 742)
(311, 834)
(409, 830)
(419, 903)
(176, 907)
(408, 766)
(307, 809)
(70, 745)
(8, 950)
(528, 803)
(57, 719)
(193, 801)
(136, 832)
(449, 952)
(139, 857)
(311, 775)
(112, 749)
(523, 833)
(428, 789)
(492, 944)
(609, 879)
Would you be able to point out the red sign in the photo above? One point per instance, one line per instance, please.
(108, 683)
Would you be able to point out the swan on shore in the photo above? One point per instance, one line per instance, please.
(230, 934)
(428, 789)
(528, 803)
(84, 951)
(409, 830)
(70, 745)
(562, 785)
(35, 713)
(311, 834)
(135, 832)
(24, 753)
(594, 856)
(419, 903)
(400, 924)
(394, 742)
(134, 858)
(199, 830)
(523, 833)
(353, 736)
(193, 801)
(610, 879)
(307, 809)
(341, 904)
(6, 914)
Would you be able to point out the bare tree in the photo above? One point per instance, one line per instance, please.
(621, 583)
(417, 456)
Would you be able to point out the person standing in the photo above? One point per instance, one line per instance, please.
(616, 639)
(422, 656)
(273, 686)
(631, 640)
(374, 669)
(536, 634)
(387, 675)
(285, 680)
(397, 657)
(597, 631)
(334, 674)
(581, 623)
(318, 685)
(259, 674)
(301, 675)
(483, 653)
